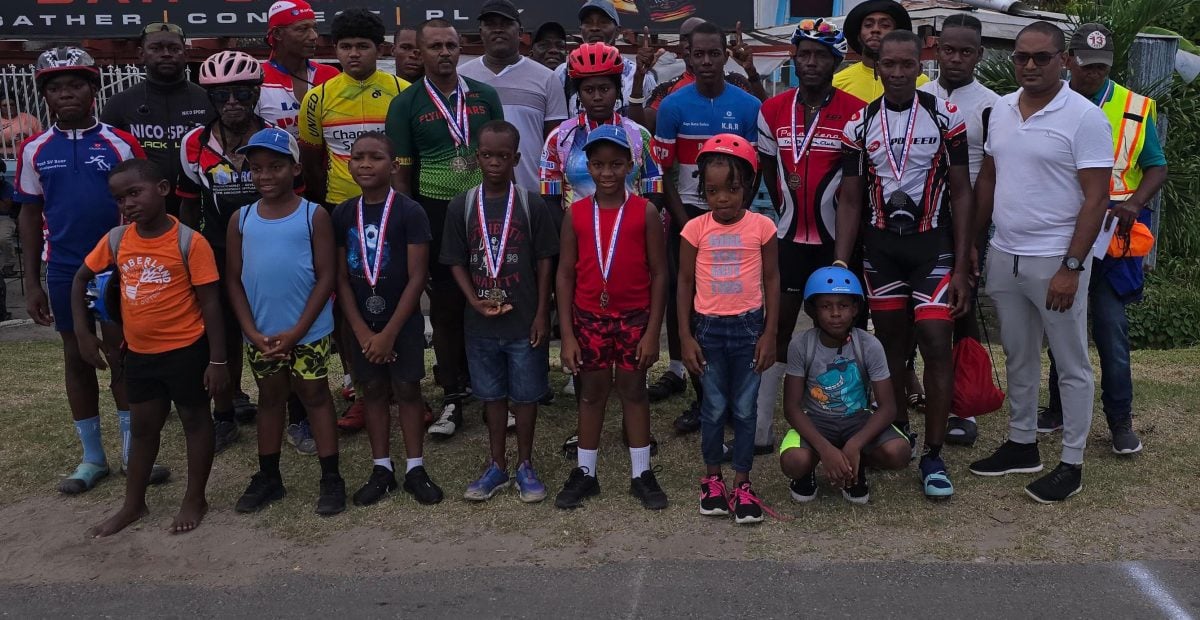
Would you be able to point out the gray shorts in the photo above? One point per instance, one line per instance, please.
(837, 430)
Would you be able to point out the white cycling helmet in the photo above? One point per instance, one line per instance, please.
(230, 67)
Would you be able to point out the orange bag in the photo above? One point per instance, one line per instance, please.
(1141, 240)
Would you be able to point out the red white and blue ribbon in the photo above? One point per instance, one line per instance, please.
(495, 261)
(458, 124)
(372, 271)
(606, 261)
(906, 148)
(810, 132)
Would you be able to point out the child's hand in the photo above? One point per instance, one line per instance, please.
(693, 356)
(490, 309)
(570, 354)
(853, 454)
(647, 351)
(764, 353)
(837, 467)
(260, 342)
(379, 348)
(92, 349)
(280, 345)
(539, 331)
(216, 379)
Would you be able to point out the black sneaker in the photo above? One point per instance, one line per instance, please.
(579, 485)
(1049, 420)
(689, 420)
(746, 506)
(1056, 486)
(418, 484)
(263, 490)
(1010, 458)
(1124, 440)
(225, 433)
(244, 410)
(570, 447)
(804, 489)
(761, 450)
(860, 493)
(912, 440)
(668, 385)
(961, 431)
(332, 497)
(381, 482)
(646, 489)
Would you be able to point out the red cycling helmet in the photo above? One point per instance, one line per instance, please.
(731, 144)
(593, 59)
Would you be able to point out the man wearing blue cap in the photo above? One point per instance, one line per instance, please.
(599, 23)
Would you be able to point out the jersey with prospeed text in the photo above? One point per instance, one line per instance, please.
(917, 201)
(808, 187)
(67, 171)
(277, 101)
(336, 112)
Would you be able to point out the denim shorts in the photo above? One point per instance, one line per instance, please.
(507, 369)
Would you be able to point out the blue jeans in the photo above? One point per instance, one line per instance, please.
(1110, 331)
(507, 369)
(729, 383)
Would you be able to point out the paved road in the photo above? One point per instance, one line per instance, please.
(1167, 589)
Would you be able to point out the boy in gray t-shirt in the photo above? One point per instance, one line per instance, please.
(833, 372)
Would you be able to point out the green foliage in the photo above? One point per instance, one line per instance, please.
(1169, 317)
(1179, 231)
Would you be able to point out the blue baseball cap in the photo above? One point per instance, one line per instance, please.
(604, 6)
(608, 133)
(273, 139)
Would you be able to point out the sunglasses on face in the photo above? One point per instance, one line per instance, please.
(162, 27)
(1040, 59)
(243, 94)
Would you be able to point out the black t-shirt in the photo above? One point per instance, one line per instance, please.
(531, 237)
(407, 225)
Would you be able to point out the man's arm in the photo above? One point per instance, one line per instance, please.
(1064, 284)
(848, 218)
(962, 207)
(1128, 211)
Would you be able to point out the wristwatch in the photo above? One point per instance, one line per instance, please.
(1072, 263)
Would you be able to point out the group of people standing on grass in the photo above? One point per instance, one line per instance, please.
(283, 210)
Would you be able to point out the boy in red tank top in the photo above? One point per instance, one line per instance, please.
(609, 320)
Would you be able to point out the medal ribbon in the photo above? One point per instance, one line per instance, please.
(606, 263)
(906, 148)
(494, 263)
(458, 125)
(372, 272)
(809, 133)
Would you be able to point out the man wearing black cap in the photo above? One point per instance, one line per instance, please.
(865, 27)
(1139, 172)
(598, 22)
(533, 100)
(549, 45)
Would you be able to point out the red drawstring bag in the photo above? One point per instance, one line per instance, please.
(974, 392)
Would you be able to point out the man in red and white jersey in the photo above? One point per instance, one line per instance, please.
(289, 73)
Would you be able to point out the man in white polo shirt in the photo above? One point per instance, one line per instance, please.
(1044, 183)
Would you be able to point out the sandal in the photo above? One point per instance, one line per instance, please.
(961, 431)
(159, 474)
(84, 478)
(916, 402)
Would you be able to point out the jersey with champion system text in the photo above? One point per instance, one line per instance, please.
(917, 201)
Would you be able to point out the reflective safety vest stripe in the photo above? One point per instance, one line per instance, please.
(1128, 113)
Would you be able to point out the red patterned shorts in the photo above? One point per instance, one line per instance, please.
(605, 341)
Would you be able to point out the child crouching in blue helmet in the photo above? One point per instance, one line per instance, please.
(834, 373)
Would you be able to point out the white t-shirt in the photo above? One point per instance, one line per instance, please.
(1038, 196)
(974, 102)
(627, 71)
(531, 96)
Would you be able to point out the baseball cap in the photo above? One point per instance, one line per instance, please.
(549, 28)
(273, 139)
(605, 6)
(503, 8)
(1092, 44)
(607, 133)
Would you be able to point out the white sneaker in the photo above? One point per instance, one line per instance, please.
(569, 388)
(447, 423)
(512, 421)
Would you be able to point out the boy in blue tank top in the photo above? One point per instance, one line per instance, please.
(281, 276)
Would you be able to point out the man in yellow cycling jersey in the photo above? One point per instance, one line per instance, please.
(336, 112)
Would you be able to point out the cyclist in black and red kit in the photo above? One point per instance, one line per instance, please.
(906, 158)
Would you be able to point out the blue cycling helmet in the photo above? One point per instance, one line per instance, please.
(832, 281)
(101, 299)
(824, 33)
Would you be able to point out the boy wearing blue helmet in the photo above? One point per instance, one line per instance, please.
(834, 371)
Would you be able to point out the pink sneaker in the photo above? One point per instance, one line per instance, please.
(714, 500)
(748, 508)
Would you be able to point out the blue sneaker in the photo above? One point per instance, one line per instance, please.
(300, 435)
(529, 487)
(934, 478)
(490, 483)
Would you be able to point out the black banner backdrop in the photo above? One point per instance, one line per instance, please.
(98, 19)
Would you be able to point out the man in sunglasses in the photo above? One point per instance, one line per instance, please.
(1045, 185)
(1138, 173)
(159, 110)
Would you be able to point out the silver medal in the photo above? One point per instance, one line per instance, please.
(376, 304)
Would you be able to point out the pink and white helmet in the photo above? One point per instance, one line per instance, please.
(229, 67)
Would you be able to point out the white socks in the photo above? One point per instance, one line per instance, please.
(587, 461)
(677, 367)
(409, 464)
(768, 391)
(639, 459)
(383, 462)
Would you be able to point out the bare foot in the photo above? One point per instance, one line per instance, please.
(119, 521)
(189, 517)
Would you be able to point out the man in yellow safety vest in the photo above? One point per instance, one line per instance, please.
(1139, 172)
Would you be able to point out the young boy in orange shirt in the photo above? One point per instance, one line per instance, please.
(174, 336)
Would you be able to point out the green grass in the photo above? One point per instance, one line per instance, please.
(1130, 507)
